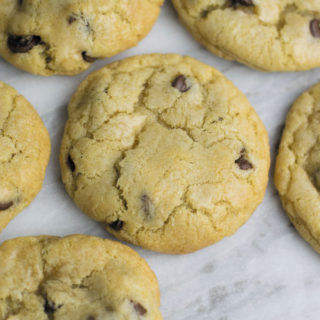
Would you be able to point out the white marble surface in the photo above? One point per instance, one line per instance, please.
(264, 271)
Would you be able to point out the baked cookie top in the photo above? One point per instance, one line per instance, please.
(49, 37)
(165, 152)
(297, 173)
(282, 35)
(77, 277)
(24, 153)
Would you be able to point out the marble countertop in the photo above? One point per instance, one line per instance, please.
(264, 271)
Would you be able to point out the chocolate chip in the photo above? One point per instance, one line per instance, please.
(147, 205)
(20, 2)
(88, 58)
(246, 3)
(116, 225)
(141, 310)
(91, 317)
(5, 205)
(51, 307)
(72, 19)
(180, 83)
(71, 164)
(243, 163)
(315, 28)
(48, 59)
(22, 44)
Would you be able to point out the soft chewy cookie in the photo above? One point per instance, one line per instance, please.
(49, 37)
(297, 173)
(281, 35)
(24, 153)
(78, 278)
(165, 152)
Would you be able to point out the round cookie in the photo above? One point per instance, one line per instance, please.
(165, 152)
(297, 172)
(49, 37)
(24, 153)
(282, 35)
(77, 277)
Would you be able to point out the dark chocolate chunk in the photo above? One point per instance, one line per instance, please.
(71, 164)
(246, 3)
(22, 44)
(48, 59)
(71, 19)
(116, 225)
(5, 205)
(180, 83)
(51, 307)
(88, 58)
(243, 163)
(315, 28)
(140, 309)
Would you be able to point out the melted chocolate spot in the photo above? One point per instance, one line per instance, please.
(315, 28)
(243, 163)
(140, 309)
(22, 44)
(88, 58)
(180, 83)
(147, 205)
(5, 205)
(116, 225)
(71, 164)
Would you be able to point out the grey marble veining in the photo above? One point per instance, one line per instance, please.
(264, 271)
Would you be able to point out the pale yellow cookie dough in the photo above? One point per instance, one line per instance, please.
(75, 278)
(165, 152)
(24, 153)
(49, 37)
(281, 35)
(297, 173)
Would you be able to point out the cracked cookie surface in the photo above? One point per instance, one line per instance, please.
(297, 169)
(165, 152)
(282, 35)
(24, 153)
(49, 37)
(76, 277)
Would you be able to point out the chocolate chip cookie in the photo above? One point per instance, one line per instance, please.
(165, 152)
(66, 36)
(24, 153)
(282, 35)
(77, 277)
(297, 173)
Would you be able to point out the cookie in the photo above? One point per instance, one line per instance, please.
(66, 36)
(77, 277)
(282, 35)
(24, 153)
(165, 152)
(297, 172)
